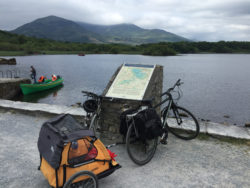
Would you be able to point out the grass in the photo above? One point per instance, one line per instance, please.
(12, 53)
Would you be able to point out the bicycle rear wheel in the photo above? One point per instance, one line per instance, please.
(89, 180)
(140, 151)
(182, 123)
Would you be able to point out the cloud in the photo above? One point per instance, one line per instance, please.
(211, 20)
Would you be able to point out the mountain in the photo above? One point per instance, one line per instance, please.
(57, 28)
(130, 33)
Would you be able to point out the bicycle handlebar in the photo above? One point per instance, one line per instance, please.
(90, 94)
(95, 96)
(178, 83)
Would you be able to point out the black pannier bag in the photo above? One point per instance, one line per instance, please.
(123, 122)
(147, 121)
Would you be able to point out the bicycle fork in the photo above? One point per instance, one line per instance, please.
(177, 116)
(164, 136)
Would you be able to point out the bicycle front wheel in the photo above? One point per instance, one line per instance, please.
(82, 179)
(182, 123)
(140, 151)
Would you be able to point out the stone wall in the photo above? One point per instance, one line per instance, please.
(10, 87)
(111, 110)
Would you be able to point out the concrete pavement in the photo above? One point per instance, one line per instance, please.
(195, 163)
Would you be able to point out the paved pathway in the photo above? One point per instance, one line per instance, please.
(196, 163)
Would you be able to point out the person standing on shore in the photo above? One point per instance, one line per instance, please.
(33, 73)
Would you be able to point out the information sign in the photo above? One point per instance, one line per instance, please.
(131, 82)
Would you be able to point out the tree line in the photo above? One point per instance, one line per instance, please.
(29, 45)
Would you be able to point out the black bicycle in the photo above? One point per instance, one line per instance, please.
(175, 119)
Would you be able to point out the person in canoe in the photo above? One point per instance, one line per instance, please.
(33, 73)
(41, 79)
(54, 78)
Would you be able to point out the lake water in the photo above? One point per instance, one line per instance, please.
(215, 85)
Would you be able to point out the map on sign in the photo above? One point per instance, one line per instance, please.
(131, 82)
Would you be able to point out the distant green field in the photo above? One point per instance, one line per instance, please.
(12, 53)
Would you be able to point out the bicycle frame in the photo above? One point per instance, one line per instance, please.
(166, 110)
(171, 105)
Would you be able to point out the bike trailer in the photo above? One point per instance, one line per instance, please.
(66, 148)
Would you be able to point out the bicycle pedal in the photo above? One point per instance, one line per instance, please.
(164, 141)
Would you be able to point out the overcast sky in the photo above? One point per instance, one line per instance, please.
(203, 20)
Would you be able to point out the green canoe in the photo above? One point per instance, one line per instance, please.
(33, 88)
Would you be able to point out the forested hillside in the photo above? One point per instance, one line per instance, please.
(13, 44)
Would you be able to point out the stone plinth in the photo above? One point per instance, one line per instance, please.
(111, 110)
